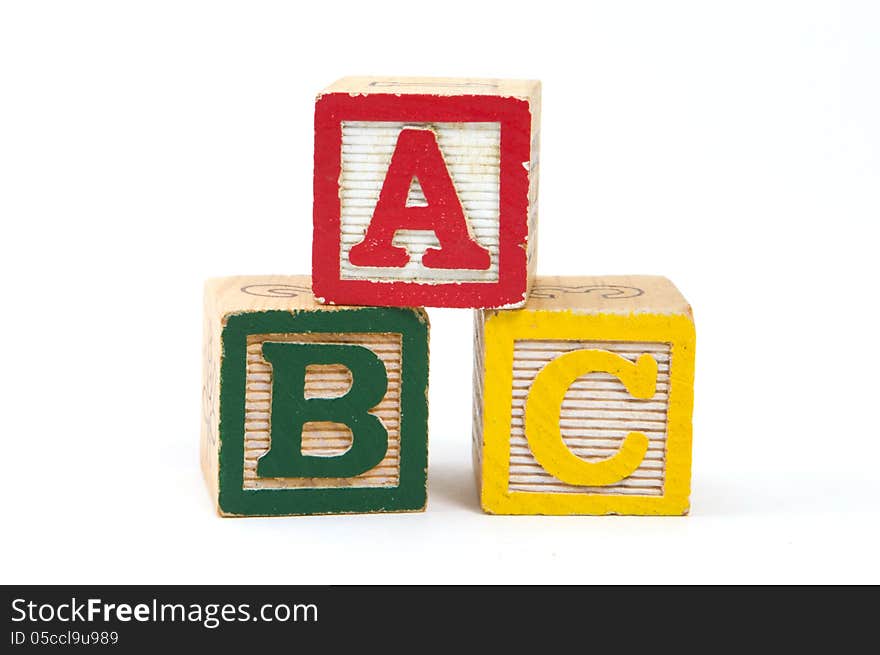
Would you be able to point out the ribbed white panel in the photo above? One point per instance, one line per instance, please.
(597, 414)
(321, 438)
(472, 152)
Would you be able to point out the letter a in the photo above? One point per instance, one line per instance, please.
(291, 409)
(417, 155)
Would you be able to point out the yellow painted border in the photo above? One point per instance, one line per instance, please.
(502, 328)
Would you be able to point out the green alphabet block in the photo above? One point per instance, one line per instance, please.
(309, 408)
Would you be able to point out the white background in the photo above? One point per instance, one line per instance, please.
(730, 146)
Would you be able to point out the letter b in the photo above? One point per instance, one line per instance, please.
(291, 410)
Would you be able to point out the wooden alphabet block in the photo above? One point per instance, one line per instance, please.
(308, 408)
(426, 191)
(583, 399)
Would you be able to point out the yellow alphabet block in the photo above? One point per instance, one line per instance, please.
(583, 399)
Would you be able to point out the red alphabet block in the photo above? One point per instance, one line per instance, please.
(426, 192)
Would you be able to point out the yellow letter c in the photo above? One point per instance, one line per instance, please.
(544, 406)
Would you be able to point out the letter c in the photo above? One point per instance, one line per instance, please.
(544, 406)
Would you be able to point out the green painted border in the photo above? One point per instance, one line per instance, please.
(410, 495)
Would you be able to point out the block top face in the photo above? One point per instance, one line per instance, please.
(609, 294)
(258, 293)
(441, 86)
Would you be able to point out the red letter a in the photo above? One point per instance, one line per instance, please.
(417, 155)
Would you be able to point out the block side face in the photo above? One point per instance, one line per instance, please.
(439, 86)
(534, 179)
(479, 372)
(608, 294)
(486, 145)
(535, 107)
(210, 419)
(594, 413)
(399, 338)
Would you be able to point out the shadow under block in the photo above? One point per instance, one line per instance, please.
(583, 399)
(311, 409)
(426, 191)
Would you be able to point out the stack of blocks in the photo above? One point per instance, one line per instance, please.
(315, 389)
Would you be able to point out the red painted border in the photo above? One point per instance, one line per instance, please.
(515, 118)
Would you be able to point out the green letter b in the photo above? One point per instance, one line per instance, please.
(291, 410)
